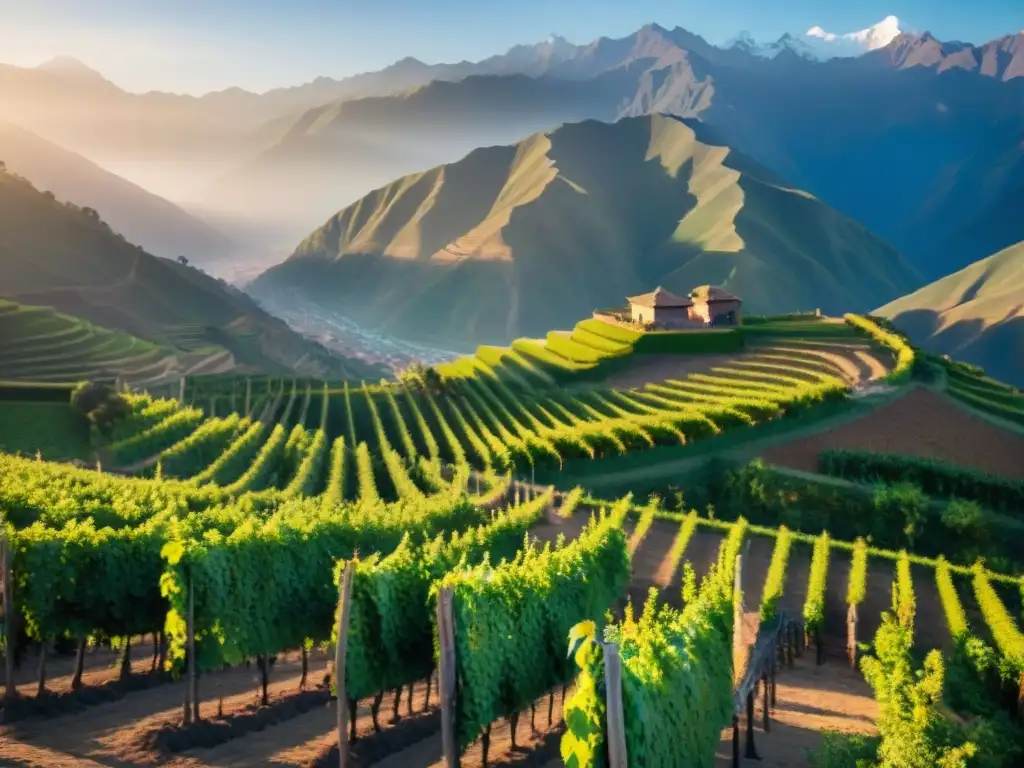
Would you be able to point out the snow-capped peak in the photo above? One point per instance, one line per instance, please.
(877, 36)
(816, 43)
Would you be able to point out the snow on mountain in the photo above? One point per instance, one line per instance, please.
(816, 43)
(856, 43)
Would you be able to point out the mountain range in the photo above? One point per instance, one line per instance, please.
(886, 140)
(515, 240)
(912, 146)
(818, 44)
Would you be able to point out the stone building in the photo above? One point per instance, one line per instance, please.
(715, 306)
(706, 306)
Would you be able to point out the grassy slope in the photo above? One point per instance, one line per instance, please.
(53, 429)
(518, 239)
(54, 255)
(975, 315)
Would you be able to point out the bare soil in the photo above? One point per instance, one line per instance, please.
(921, 423)
(854, 362)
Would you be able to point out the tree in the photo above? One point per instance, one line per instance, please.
(92, 213)
(3, 167)
(183, 260)
(101, 404)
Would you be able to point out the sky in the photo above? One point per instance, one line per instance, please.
(196, 46)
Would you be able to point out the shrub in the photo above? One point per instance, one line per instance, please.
(902, 504)
(936, 478)
(101, 404)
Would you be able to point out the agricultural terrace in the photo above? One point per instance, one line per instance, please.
(218, 531)
(39, 344)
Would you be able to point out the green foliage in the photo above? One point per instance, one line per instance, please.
(936, 478)
(689, 342)
(101, 404)
(676, 680)
(902, 504)
(392, 614)
(845, 750)
(956, 617)
(895, 517)
(1005, 634)
(512, 620)
(190, 455)
(267, 583)
(236, 458)
(814, 604)
(914, 732)
(334, 493)
(904, 601)
(857, 584)
(570, 502)
(893, 341)
(686, 530)
(308, 476)
(775, 580)
(583, 743)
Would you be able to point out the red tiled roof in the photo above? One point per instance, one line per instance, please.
(659, 297)
(712, 293)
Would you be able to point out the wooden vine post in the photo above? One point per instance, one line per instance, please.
(616, 721)
(344, 604)
(446, 677)
(181, 390)
(851, 634)
(6, 570)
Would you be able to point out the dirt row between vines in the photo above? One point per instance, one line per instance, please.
(121, 733)
(854, 361)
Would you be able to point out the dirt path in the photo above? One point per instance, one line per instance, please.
(810, 699)
(113, 733)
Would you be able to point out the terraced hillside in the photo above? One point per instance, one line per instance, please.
(250, 502)
(41, 344)
(58, 255)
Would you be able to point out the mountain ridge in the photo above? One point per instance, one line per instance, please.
(519, 239)
(976, 314)
(61, 256)
(158, 225)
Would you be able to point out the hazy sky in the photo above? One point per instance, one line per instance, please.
(201, 45)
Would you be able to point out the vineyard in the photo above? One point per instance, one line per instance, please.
(265, 568)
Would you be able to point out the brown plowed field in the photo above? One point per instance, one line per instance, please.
(921, 423)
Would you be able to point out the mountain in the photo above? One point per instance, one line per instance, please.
(922, 155)
(178, 145)
(975, 315)
(1002, 58)
(333, 155)
(156, 224)
(514, 240)
(61, 256)
(819, 45)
